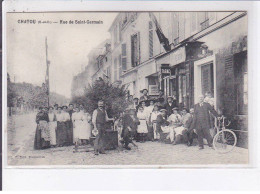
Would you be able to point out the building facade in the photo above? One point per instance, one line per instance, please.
(185, 54)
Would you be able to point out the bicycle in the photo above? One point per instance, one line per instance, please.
(225, 140)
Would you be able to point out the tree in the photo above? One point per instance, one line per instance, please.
(115, 97)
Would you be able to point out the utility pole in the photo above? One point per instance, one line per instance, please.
(47, 73)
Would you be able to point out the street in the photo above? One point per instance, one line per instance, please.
(21, 131)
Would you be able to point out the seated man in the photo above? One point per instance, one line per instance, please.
(162, 124)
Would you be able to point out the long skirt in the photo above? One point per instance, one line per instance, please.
(53, 127)
(41, 140)
(142, 128)
(70, 132)
(62, 134)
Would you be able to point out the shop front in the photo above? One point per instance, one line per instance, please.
(176, 73)
(224, 73)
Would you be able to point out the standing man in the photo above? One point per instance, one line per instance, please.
(201, 121)
(161, 122)
(99, 120)
(70, 130)
(170, 105)
(145, 95)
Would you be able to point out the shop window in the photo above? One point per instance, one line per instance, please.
(241, 83)
(135, 49)
(124, 57)
(150, 39)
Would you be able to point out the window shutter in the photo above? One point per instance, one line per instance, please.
(124, 58)
(229, 94)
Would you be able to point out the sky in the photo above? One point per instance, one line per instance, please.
(68, 46)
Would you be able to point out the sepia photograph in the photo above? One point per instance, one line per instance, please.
(127, 89)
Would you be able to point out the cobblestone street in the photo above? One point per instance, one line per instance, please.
(21, 152)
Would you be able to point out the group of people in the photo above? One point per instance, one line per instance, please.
(154, 120)
(62, 126)
(149, 119)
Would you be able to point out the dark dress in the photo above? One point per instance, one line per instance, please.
(41, 141)
(62, 130)
(70, 128)
(126, 133)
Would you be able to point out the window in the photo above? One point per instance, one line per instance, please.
(181, 26)
(115, 69)
(203, 20)
(175, 28)
(193, 22)
(120, 65)
(150, 39)
(124, 57)
(135, 49)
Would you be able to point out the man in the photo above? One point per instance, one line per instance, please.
(170, 105)
(161, 122)
(128, 127)
(70, 129)
(190, 132)
(99, 120)
(201, 121)
(145, 95)
(71, 110)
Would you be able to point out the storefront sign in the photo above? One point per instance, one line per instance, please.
(165, 70)
(153, 90)
(178, 56)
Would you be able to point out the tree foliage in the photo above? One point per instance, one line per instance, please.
(114, 96)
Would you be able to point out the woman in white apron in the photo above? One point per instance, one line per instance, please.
(52, 126)
(142, 129)
(85, 131)
(154, 115)
(78, 124)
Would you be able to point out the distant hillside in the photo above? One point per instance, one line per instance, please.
(34, 96)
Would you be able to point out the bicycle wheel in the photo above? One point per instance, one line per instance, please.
(224, 141)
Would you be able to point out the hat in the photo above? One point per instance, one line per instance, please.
(170, 97)
(144, 90)
(64, 107)
(163, 110)
(175, 108)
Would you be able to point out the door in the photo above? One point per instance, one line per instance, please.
(207, 79)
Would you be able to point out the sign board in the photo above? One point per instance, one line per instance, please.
(178, 56)
(153, 90)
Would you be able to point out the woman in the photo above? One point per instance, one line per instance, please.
(142, 129)
(77, 119)
(154, 115)
(85, 132)
(68, 122)
(52, 126)
(42, 135)
(62, 138)
(149, 111)
(181, 131)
